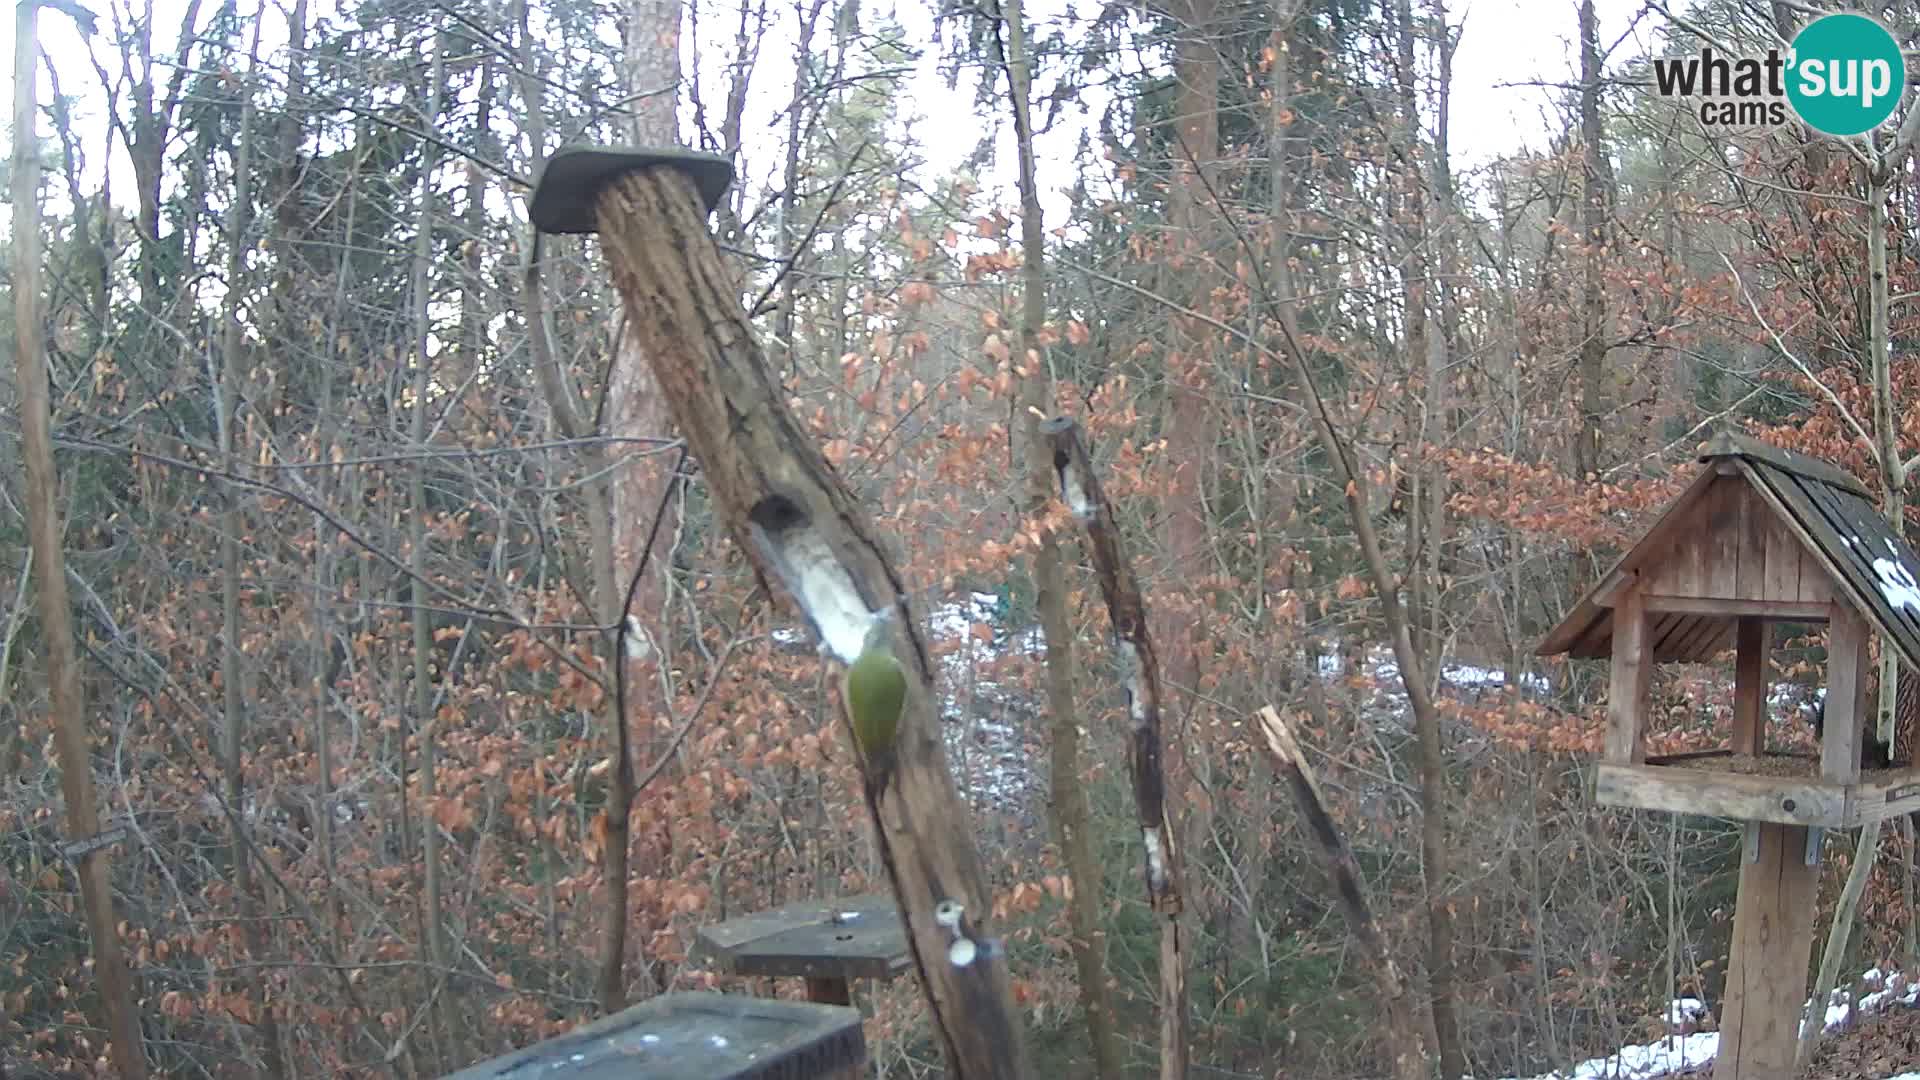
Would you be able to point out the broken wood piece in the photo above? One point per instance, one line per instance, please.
(1403, 1035)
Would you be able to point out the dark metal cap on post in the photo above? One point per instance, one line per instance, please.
(569, 186)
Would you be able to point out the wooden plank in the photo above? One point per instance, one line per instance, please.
(696, 1034)
(1699, 640)
(1666, 634)
(1767, 962)
(1888, 795)
(1730, 443)
(1627, 690)
(1597, 641)
(1720, 542)
(1846, 696)
(1782, 573)
(1801, 514)
(1784, 610)
(856, 937)
(1578, 624)
(1750, 687)
(1711, 793)
(1688, 756)
(1750, 561)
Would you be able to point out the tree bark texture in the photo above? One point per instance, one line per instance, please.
(1073, 820)
(635, 407)
(119, 1019)
(1080, 490)
(785, 505)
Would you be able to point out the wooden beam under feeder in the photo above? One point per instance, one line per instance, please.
(711, 1036)
(1762, 535)
(829, 943)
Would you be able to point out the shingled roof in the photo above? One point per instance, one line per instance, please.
(1829, 513)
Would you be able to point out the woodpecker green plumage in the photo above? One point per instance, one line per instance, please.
(874, 689)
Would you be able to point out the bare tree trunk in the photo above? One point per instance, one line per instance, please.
(1893, 476)
(1595, 206)
(1426, 717)
(1425, 352)
(808, 12)
(1190, 443)
(86, 846)
(426, 731)
(1072, 818)
(635, 407)
(232, 377)
(574, 421)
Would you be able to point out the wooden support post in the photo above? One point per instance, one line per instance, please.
(1627, 693)
(830, 991)
(1846, 696)
(1767, 965)
(1750, 686)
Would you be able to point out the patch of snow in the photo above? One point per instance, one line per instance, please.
(1653, 1059)
(1685, 1051)
(1683, 1010)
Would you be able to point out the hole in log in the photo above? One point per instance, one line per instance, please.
(800, 554)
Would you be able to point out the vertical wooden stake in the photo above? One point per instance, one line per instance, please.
(1767, 966)
(1750, 686)
(1846, 696)
(830, 991)
(1627, 694)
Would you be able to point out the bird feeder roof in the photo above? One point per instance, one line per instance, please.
(1748, 503)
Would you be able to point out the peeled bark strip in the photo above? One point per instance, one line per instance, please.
(1080, 490)
(1403, 1034)
(788, 509)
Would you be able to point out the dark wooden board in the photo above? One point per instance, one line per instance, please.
(1734, 444)
(712, 1036)
(857, 937)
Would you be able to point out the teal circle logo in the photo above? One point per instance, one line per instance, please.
(1846, 74)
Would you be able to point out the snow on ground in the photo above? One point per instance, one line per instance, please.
(1678, 1052)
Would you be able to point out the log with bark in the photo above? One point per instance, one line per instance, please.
(785, 505)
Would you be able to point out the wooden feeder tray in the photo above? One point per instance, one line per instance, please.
(856, 937)
(712, 1036)
(1785, 789)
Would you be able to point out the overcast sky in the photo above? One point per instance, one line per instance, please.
(1508, 50)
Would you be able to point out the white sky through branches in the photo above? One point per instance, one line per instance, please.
(1515, 63)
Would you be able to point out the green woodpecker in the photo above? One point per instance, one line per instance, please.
(875, 692)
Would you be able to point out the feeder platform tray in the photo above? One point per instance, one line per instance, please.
(711, 1036)
(1785, 789)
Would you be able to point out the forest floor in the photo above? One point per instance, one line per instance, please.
(1879, 1047)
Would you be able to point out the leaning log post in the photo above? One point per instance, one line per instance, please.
(1402, 1034)
(1080, 490)
(788, 509)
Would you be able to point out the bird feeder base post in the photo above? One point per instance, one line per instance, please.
(1767, 966)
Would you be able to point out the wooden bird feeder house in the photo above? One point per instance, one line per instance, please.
(1762, 535)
